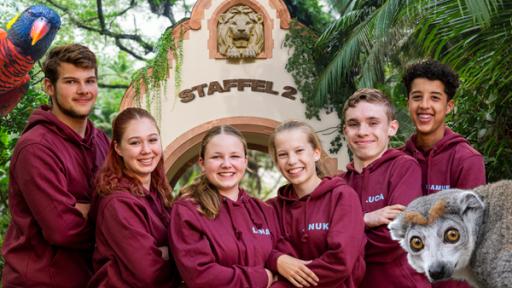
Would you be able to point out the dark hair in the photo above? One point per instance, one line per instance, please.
(202, 191)
(370, 95)
(114, 169)
(75, 54)
(432, 70)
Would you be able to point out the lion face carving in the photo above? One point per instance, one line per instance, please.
(240, 33)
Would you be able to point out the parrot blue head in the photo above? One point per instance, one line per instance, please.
(34, 30)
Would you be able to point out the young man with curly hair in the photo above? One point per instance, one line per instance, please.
(446, 158)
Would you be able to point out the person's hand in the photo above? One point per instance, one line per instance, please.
(296, 271)
(165, 252)
(383, 216)
(83, 208)
(270, 277)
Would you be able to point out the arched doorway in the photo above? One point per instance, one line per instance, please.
(203, 89)
(183, 151)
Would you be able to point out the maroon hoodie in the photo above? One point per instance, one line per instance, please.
(451, 163)
(326, 227)
(48, 242)
(394, 178)
(130, 230)
(231, 250)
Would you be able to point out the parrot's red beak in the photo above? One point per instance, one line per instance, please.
(39, 29)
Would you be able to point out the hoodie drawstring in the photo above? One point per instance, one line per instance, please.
(256, 223)
(238, 233)
(365, 179)
(284, 225)
(305, 234)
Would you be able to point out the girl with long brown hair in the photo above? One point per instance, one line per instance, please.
(132, 208)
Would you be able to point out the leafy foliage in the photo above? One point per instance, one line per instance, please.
(371, 41)
(477, 45)
(117, 72)
(81, 23)
(10, 129)
(154, 75)
(309, 13)
(302, 63)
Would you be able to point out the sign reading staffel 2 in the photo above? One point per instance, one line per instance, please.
(232, 72)
(240, 85)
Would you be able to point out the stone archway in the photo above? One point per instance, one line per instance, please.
(183, 151)
(254, 95)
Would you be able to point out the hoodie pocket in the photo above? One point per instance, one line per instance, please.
(69, 268)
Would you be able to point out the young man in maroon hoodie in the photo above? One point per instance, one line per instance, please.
(385, 180)
(49, 242)
(447, 160)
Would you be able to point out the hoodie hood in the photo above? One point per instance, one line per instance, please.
(388, 156)
(255, 211)
(287, 193)
(287, 196)
(449, 140)
(394, 178)
(44, 116)
(363, 182)
(231, 239)
(451, 163)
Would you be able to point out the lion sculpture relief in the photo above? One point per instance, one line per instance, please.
(240, 33)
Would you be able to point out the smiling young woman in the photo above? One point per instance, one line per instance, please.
(132, 208)
(220, 236)
(321, 218)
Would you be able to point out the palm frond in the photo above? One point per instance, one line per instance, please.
(364, 49)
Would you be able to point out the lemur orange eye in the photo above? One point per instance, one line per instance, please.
(451, 235)
(416, 243)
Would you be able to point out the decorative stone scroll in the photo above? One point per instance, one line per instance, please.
(240, 33)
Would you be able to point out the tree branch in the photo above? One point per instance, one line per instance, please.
(132, 5)
(148, 48)
(113, 86)
(121, 46)
(163, 8)
(101, 18)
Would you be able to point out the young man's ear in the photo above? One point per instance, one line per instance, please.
(393, 127)
(449, 106)
(48, 87)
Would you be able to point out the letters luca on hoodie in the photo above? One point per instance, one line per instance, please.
(451, 163)
(231, 250)
(394, 178)
(326, 227)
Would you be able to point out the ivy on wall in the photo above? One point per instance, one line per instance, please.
(301, 64)
(304, 67)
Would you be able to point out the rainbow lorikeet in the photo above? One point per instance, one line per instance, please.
(28, 37)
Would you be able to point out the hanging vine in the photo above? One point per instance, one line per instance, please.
(178, 55)
(155, 74)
